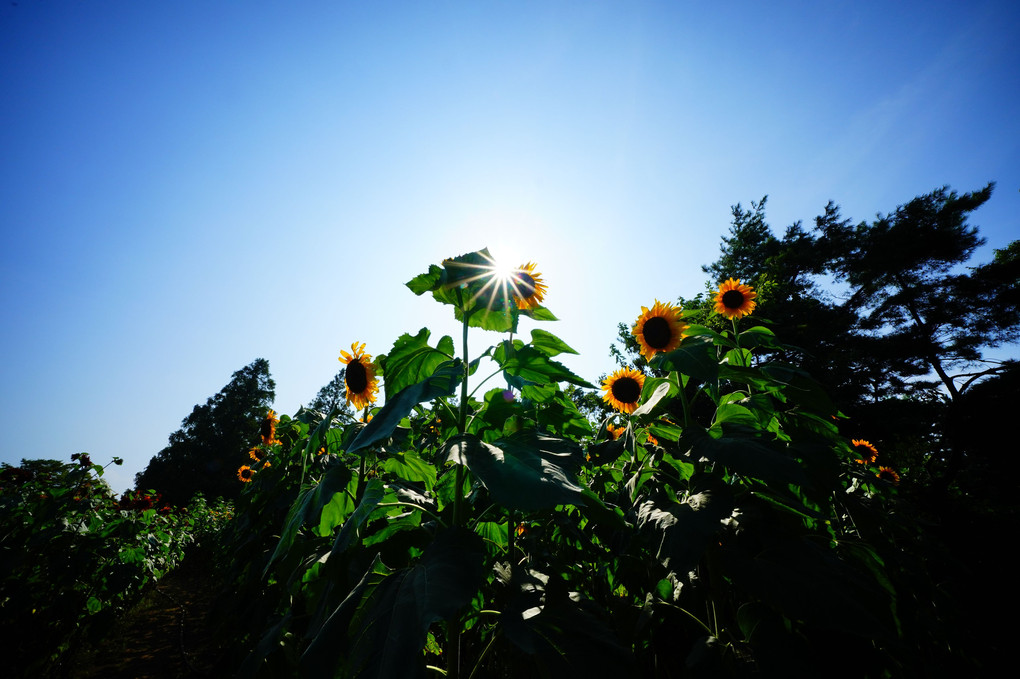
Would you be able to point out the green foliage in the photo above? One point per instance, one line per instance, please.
(73, 557)
(724, 529)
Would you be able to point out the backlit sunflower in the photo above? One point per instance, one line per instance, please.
(245, 474)
(888, 474)
(359, 377)
(735, 300)
(868, 453)
(256, 454)
(651, 439)
(658, 329)
(527, 287)
(268, 428)
(614, 432)
(623, 389)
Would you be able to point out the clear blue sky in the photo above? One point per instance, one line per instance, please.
(186, 186)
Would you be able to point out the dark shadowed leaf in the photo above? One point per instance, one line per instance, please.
(695, 357)
(394, 620)
(525, 471)
(684, 530)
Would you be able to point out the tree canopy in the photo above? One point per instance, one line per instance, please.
(205, 453)
(891, 315)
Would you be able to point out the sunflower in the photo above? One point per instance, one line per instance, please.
(734, 300)
(652, 440)
(527, 286)
(359, 378)
(623, 389)
(868, 453)
(268, 428)
(256, 454)
(614, 432)
(888, 474)
(245, 474)
(658, 329)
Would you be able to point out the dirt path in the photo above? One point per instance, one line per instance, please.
(168, 635)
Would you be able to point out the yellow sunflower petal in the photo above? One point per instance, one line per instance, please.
(888, 474)
(867, 451)
(735, 300)
(528, 289)
(623, 389)
(658, 329)
(360, 380)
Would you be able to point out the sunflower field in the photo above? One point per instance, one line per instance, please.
(716, 523)
(74, 557)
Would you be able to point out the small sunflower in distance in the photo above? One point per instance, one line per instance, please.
(245, 474)
(623, 389)
(888, 474)
(658, 329)
(734, 300)
(614, 432)
(359, 377)
(868, 453)
(268, 428)
(527, 287)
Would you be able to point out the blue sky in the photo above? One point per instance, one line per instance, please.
(186, 186)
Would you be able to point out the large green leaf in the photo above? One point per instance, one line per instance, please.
(443, 382)
(654, 391)
(371, 498)
(411, 360)
(684, 530)
(393, 622)
(750, 457)
(331, 643)
(694, 357)
(525, 471)
(474, 288)
(553, 633)
(410, 467)
(425, 282)
(564, 419)
(309, 506)
(549, 344)
(535, 366)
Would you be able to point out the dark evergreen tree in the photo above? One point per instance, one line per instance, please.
(203, 456)
(886, 314)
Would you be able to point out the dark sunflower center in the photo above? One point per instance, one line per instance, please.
(356, 377)
(626, 390)
(657, 332)
(267, 430)
(525, 285)
(732, 299)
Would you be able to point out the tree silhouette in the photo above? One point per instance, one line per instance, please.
(889, 315)
(212, 443)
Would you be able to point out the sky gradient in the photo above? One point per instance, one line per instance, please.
(187, 186)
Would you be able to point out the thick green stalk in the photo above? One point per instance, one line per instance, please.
(455, 626)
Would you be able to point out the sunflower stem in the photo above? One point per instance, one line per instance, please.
(455, 626)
